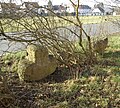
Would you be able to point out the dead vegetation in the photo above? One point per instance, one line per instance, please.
(79, 81)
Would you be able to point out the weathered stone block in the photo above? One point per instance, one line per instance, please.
(37, 64)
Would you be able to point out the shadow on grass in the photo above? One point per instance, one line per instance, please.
(110, 59)
(115, 54)
(58, 76)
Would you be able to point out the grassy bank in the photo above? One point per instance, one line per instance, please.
(97, 87)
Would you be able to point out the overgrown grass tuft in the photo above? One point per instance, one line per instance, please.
(10, 61)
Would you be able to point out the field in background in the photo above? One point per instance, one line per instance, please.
(12, 25)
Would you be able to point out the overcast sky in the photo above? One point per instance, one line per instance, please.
(58, 2)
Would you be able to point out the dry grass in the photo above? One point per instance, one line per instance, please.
(98, 86)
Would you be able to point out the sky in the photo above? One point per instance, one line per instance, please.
(58, 2)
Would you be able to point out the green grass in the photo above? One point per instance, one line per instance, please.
(113, 50)
(12, 58)
(97, 87)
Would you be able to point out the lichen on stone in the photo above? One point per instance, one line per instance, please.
(37, 64)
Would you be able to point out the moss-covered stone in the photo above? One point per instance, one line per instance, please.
(37, 64)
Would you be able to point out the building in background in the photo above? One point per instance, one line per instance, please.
(84, 10)
(97, 11)
(32, 8)
(102, 9)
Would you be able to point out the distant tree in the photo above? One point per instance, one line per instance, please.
(50, 7)
(100, 6)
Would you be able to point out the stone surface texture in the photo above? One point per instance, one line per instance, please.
(37, 65)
